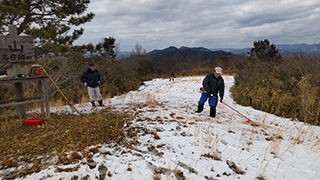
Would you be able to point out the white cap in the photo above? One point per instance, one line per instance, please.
(218, 70)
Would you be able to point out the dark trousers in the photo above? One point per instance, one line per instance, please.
(204, 97)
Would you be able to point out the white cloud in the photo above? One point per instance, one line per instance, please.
(156, 24)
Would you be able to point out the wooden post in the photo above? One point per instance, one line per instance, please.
(40, 84)
(46, 97)
(21, 110)
(43, 87)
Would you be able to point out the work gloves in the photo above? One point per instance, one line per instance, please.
(210, 94)
(204, 91)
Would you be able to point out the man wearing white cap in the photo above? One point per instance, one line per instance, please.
(213, 84)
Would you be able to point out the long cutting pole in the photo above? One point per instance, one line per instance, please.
(248, 120)
(70, 104)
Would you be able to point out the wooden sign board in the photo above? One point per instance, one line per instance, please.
(16, 49)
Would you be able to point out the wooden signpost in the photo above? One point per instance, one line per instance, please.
(20, 49)
(15, 49)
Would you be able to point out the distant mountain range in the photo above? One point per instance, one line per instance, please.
(214, 53)
(284, 49)
(183, 52)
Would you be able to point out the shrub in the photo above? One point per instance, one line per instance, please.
(285, 87)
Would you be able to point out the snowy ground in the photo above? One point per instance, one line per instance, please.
(196, 146)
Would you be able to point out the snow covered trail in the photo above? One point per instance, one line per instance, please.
(183, 144)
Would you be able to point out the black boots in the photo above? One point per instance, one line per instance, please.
(200, 109)
(100, 103)
(93, 104)
(212, 111)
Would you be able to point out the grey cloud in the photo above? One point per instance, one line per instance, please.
(158, 24)
(256, 14)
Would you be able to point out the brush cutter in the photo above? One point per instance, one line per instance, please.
(38, 70)
(248, 120)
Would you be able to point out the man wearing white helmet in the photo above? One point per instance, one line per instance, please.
(213, 84)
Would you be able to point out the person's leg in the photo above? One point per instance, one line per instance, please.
(91, 95)
(200, 109)
(97, 93)
(212, 104)
(98, 96)
(212, 111)
(203, 99)
(201, 102)
(212, 101)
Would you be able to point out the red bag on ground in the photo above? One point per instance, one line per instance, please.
(33, 121)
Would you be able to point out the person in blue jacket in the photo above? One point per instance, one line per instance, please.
(91, 79)
(213, 84)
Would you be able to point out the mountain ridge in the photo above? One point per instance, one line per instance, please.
(284, 49)
(184, 52)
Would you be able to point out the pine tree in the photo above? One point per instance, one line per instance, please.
(106, 48)
(48, 21)
(265, 52)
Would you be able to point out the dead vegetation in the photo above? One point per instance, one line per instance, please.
(235, 168)
(21, 145)
(97, 125)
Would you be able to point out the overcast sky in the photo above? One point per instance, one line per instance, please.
(158, 24)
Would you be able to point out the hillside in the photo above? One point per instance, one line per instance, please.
(175, 143)
(187, 53)
(184, 53)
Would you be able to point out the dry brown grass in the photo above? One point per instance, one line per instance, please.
(55, 103)
(276, 142)
(245, 141)
(260, 177)
(21, 144)
(262, 164)
(84, 99)
(317, 143)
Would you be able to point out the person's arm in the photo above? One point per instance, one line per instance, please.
(83, 78)
(206, 84)
(221, 90)
(98, 77)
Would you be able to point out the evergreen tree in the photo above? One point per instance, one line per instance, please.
(48, 21)
(106, 48)
(265, 52)
(262, 61)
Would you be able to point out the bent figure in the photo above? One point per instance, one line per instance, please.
(213, 84)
